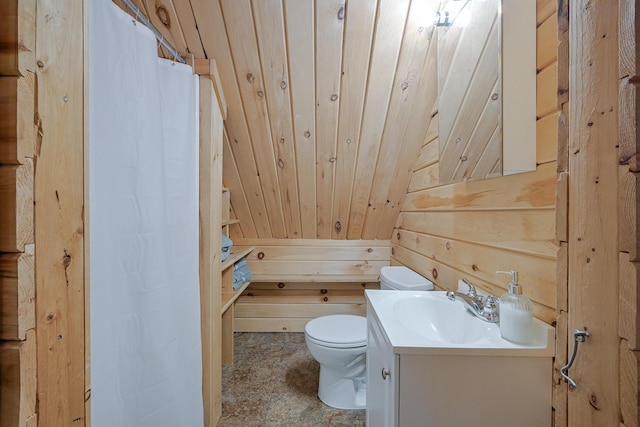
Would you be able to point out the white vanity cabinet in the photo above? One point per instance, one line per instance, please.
(494, 383)
(381, 378)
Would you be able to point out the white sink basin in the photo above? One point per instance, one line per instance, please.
(428, 322)
(440, 319)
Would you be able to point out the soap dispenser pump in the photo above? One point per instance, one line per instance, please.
(516, 319)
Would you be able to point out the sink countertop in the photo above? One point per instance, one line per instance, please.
(407, 341)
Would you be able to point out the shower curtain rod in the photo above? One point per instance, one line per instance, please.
(144, 20)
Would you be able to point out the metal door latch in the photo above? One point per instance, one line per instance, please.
(578, 337)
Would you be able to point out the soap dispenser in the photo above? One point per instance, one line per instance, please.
(516, 319)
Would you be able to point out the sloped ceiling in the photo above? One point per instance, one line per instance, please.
(328, 106)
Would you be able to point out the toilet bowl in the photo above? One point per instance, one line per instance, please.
(339, 343)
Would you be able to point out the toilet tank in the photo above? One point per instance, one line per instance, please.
(403, 278)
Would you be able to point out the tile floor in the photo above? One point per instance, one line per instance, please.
(274, 382)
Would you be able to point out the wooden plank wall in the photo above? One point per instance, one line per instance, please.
(592, 221)
(628, 212)
(18, 381)
(319, 94)
(295, 281)
(41, 182)
(473, 229)
(59, 213)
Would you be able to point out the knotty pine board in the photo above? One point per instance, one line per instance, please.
(330, 17)
(300, 19)
(59, 213)
(17, 213)
(356, 51)
(18, 37)
(17, 129)
(270, 29)
(17, 291)
(527, 190)
(18, 382)
(526, 231)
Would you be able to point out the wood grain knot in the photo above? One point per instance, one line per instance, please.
(434, 273)
(334, 97)
(260, 93)
(325, 299)
(494, 96)
(338, 226)
(369, 250)
(323, 291)
(307, 134)
(280, 285)
(66, 260)
(283, 85)
(261, 255)
(593, 401)
(404, 85)
(341, 13)
(163, 15)
(250, 78)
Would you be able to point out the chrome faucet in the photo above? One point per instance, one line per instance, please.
(484, 307)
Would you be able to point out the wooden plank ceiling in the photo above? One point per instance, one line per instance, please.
(328, 101)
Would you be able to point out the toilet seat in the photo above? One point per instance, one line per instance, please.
(338, 331)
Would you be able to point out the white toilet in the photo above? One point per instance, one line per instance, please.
(339, 343)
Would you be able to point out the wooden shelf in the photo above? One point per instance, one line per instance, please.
(229, 298)
(237, 252)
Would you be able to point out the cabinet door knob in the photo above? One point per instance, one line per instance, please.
(385, 373)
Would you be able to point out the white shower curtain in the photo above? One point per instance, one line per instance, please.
(146, 364)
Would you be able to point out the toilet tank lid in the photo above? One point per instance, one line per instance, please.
(401, 277)
(338, 329)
